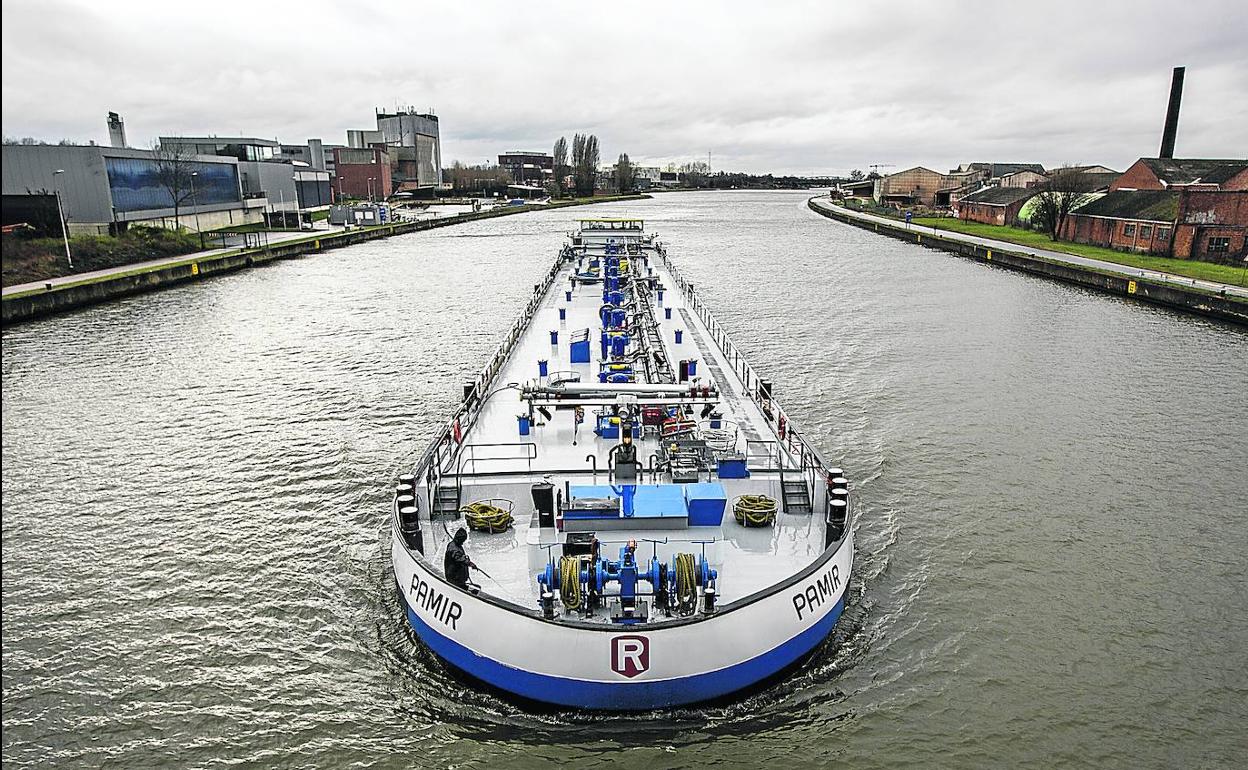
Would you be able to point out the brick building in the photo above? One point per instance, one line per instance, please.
(913, 186)
(994, 205)
(1187, 223)
(363, 172)
(1192, 174)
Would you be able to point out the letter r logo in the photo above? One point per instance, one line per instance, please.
(630, 655)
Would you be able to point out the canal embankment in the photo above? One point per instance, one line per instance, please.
(1159, 290)
(51, 297)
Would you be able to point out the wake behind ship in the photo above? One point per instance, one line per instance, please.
(649, 526)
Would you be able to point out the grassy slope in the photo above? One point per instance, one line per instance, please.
(1206, 271)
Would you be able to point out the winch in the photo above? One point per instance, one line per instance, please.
(582, 584)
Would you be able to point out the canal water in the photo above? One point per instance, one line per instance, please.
(1052, 486)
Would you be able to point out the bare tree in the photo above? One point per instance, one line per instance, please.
(487, 177)
(584, 163)
(1065, 190)
(624, 174)
(696, 173)
(173, 172)
(560, 164)
(856, 175)
(590, 164)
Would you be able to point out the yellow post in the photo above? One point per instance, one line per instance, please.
(194, 268)
(989, 255)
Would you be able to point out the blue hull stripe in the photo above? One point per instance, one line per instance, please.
(622, 696)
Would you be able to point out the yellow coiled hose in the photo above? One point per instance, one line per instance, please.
(486, 517)
(686, 583)
(754, 510)
(570, 581)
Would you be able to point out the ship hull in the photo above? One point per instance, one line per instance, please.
(617, 668)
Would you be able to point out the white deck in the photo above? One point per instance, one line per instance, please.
(747, 559)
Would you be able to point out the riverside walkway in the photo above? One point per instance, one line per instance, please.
(1058, 256)
(274, 238)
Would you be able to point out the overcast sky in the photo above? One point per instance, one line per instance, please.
(797, 87)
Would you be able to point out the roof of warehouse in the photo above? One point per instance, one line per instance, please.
(1157, 205)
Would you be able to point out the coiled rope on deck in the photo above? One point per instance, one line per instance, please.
(570, 581)
(754, 510)
(484, 516)
(686, 583)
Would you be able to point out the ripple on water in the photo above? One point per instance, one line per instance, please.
(1049, 484)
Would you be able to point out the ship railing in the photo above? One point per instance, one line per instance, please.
(506, 452)
(440, 455)
(803, 455)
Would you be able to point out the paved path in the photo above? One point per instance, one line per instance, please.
(1058, 256)
(275, 237)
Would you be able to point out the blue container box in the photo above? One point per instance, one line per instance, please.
(706, 503)
(733, 468)
(580, 351)
(523, 419)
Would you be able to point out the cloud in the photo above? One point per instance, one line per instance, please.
(806, 87)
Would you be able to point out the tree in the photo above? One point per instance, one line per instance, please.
(560, 164)
(486, 178)
(856, 175)
(173, 172)
(624, 173)
(1065, 191)
(696, 173)
(584, 163)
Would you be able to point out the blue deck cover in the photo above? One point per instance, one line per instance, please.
(638, 501)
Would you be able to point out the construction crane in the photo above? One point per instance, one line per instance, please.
(877, 166)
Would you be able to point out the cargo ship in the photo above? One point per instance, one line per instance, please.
(646, 527)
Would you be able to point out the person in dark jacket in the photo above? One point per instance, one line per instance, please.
(457, 563)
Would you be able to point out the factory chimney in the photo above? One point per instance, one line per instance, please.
(116, 130)
(1172, 114)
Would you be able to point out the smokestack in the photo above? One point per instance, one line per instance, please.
(116, 130)
(1172, 114)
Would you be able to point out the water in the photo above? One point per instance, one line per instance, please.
(1052, 488)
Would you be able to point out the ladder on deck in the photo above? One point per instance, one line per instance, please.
(796, 495)
(445, 501)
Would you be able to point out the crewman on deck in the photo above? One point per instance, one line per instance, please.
(457, 563)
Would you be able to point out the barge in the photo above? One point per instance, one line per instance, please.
(647, 528)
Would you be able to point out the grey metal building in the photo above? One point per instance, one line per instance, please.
(104, 189)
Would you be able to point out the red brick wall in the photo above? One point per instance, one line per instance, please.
(1112, 234)
(981, 212)
(353, 179)
(1138, 177)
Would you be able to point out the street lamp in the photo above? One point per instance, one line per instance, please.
(298, 214)
(60, 212)
(195, 203)
(281, 198)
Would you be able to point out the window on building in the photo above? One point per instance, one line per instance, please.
(1146, 231)
(1128, 229)
(1219, 245)
(1163, 233)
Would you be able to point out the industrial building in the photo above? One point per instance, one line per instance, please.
(105, 189)
(363, 173)
(415, 148)
(292, 189)
(528, 168)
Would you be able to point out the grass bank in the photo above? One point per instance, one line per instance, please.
(36, 259)
(1190, 268)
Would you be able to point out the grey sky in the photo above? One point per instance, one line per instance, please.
(800, 87)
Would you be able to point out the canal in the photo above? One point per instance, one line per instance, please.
(1052, 493)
